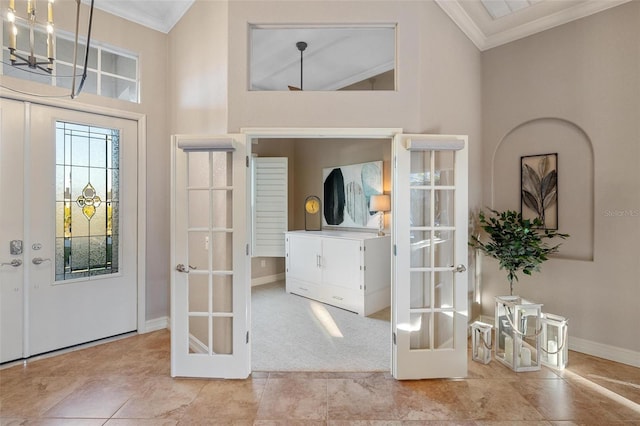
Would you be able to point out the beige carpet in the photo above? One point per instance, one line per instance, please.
(293, 333)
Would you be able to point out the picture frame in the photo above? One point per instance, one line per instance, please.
(347, 193)
(539, 188)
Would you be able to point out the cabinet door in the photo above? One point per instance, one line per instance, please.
(341, 262)
(303, 258)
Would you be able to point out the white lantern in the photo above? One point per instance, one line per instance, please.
(481, 342)
(518, 329)
(555, 347)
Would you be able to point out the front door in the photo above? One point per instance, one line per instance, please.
(79, 215)
(430, 215)
(210, 286)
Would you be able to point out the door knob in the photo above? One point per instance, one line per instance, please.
(15, 263)
(460, 268)
(39, 260)
(181, 268)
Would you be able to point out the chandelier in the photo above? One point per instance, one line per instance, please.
(31, 22)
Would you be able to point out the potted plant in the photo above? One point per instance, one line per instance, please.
(518, 244)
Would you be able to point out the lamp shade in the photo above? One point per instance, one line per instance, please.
(380, 203)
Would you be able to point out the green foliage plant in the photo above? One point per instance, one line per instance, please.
(518, 244)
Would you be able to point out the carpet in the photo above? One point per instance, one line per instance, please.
(293, 333)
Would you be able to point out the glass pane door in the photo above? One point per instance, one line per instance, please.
(210, 284)
(430, 210)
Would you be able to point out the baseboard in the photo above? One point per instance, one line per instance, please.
(156, 324)
(600, 350)
(612, 353)
(487, 319)
(196, 346)
(267, 279)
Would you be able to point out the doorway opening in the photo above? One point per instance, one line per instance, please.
(295, 333)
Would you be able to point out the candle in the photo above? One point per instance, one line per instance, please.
(50, 10)
(508, 349)
(12, 4)
(50, 45)
(552, 349)
(525, 357)
(29, 8)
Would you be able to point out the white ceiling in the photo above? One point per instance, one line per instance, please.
(514, 19)
(525, 17)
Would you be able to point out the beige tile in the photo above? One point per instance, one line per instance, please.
(369, 398)
(164, 398)
(294, 399)
(226, 400)
(494, 399)
(97, 398)
(33, 396)
(141, 422)
(289, 423)
(55, 422)
(563, 400)
(512, 423)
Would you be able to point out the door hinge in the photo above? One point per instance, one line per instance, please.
(394, 338)
(247, 337)
(247, 249)
(247, 158)
(395, 251)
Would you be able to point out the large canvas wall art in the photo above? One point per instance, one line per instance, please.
(347, 191)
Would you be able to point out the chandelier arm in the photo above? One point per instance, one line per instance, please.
(86, 56)
(75, 52)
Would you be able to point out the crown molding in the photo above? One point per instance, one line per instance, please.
(163, 18)
(483, 42)
(461, 18)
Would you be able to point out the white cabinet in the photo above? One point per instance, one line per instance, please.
(350, 270)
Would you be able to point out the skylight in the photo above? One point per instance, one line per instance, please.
(499, 8)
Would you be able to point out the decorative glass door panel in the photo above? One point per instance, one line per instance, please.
(87, 208)
(430, 221)
(209, 286)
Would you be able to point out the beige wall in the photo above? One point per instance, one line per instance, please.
(198, 65)
(581, 84)
(152, 47)
(438, 75)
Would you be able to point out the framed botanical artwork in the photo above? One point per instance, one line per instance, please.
(347, 192)
(539, 189)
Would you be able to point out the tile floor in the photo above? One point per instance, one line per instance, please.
(127, 382)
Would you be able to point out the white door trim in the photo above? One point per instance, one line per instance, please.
(142, 178)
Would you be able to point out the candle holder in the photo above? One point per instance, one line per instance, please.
(518, 333)
(555, 346)
(481, 342)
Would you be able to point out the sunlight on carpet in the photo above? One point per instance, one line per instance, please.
(293, 333)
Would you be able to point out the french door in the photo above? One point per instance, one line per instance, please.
(210, 286)
(430, 216)
(70, 220)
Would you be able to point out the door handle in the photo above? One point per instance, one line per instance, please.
(15, 263)
(181, 268)
(39, 260)
(459, 268)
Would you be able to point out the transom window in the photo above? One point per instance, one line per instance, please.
(111, 72)
(87, 200)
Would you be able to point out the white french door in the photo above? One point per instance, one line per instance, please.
(78, 214)
(430, 216)
(210, 285)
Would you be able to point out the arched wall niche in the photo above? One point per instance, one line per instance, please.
(575, 177)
